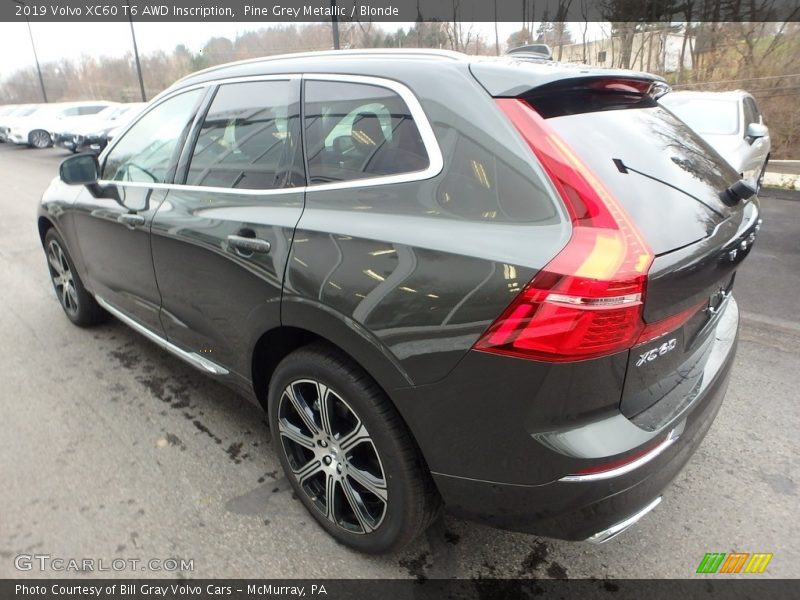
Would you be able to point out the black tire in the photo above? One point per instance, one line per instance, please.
(78, 304)
(39, 138)
(411, 501)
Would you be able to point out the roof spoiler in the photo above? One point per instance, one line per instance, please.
(535, 51)
(607, 82)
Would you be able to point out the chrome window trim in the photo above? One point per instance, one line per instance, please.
(435, 158)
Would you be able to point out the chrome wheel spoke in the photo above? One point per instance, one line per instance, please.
(307, 471)
(354, 438)
(324, 408)
(302, 409)
(65, 299)
(330, 497)
(358, 507)
(374, 485)
(55, 264)
(290, 432)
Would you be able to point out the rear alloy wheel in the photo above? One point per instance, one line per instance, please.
(39, 138)
(332, 456)
(78, 304)
(347, 453)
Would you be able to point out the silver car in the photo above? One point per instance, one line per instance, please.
(731, 123)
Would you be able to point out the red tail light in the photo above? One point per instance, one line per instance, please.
(587, 302)
(659, 328)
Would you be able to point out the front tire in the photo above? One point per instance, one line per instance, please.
(347, 453)
(78, 304)
(39, 138)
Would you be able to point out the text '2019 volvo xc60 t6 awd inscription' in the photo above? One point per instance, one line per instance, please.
(499, 285)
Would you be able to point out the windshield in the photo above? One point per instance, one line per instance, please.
(24, 112)
(710, 116)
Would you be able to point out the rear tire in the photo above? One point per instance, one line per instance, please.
(78, 304)
(375, 494)
(39, 138)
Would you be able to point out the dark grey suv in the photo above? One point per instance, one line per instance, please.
(498, 285)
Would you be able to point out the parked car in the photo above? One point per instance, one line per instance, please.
(34, 129)
(731, 123)
(91, 134)
(6, 111)
(497, 284)
(8, 119)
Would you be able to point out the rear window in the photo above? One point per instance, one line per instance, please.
(673, 178)
(706, 116)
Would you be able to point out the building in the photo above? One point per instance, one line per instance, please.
(658, 51)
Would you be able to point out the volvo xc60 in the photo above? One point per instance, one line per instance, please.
(501, 286)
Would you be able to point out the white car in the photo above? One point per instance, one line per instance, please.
(731, 123)
(7, 119)
(34, 129)
(91, 134)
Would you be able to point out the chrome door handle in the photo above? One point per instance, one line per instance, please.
(131, 220)
(249, 245)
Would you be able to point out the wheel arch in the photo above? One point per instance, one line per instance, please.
(44, 225)
(277, 343)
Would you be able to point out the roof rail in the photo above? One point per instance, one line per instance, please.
(388, 52)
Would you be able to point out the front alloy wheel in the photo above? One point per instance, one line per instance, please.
(78, 304)
(332, 456)
(61, 274)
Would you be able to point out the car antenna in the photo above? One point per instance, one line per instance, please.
(625, 169)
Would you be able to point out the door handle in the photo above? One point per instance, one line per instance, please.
(248, 245)
(131, 220)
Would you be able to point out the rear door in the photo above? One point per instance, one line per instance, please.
(220, 240)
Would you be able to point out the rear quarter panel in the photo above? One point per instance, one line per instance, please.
(420, 269)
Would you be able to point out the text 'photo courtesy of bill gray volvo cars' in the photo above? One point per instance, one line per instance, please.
(494, 286)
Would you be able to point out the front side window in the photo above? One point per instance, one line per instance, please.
(147, 151)
(355, 131)
(249, 138)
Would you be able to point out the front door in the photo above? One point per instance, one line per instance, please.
(113, 231)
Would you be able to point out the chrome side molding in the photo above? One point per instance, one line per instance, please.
(194, 359)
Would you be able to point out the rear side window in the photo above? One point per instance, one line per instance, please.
(355, 131)
(249, 137)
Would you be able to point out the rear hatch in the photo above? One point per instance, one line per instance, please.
(671, 184)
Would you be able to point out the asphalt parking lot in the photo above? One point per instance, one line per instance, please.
(111, 448)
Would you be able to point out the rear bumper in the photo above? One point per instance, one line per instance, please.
(562, 505)
(578, 510)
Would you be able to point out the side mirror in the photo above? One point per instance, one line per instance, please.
(755, 131)
(81, 169)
